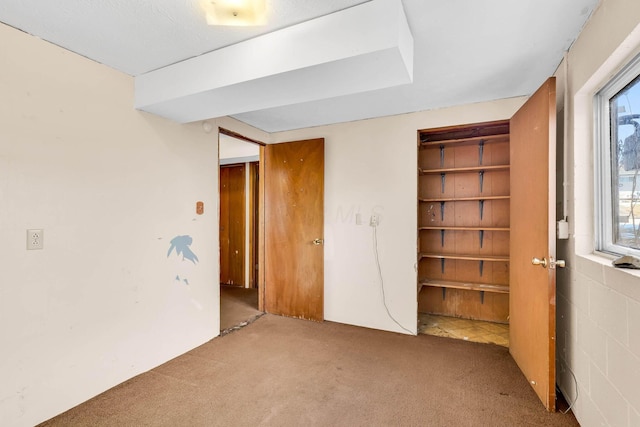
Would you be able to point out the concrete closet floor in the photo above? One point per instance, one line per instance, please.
(468, 330)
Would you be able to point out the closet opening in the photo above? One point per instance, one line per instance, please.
(463, 232)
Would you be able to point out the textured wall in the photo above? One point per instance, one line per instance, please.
(111, 187)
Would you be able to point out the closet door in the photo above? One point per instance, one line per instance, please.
(294, 229)
(532, 297)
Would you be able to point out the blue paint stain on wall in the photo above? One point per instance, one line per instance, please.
(181, 245)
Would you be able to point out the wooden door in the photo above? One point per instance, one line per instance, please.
(254, 229)
(232, 224)
(532, 296)
(294, 229)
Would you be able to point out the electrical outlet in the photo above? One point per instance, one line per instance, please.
(374, 221)
(35, 239)
(358, 218)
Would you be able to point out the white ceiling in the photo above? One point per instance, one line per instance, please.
(465, 50)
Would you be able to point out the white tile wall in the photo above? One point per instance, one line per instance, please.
(633, 310)
(624, 371)
(581, 365)
(578, 292)
(624, 281)
(609, 401)
(609, 311)
(590, 415)
(592, 340)
(589, 269)
(599, 341)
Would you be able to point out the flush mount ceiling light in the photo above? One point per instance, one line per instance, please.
(235, 12)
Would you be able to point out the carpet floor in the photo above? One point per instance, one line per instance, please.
(278, 371)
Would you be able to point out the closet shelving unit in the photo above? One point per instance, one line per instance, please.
(463, 221)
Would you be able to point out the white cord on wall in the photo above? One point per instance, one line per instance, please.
(565, 142)
(384, 298)
(575, 381)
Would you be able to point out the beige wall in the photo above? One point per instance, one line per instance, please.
(371, 167)
(598, 306)
(111, 187)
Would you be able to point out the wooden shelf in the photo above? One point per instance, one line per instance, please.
(466, 141)
(467, 169)
(465, 257)
(462, 228)
(463, 199)
(481, 152)
(501, 289)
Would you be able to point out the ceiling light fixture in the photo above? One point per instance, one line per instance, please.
(235, 12)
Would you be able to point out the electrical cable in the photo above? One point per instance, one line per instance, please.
(575, 381)
(384, 298)
(577, 391)
(565, 142)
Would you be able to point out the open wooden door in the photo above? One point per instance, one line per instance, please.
(532, 295)
(294, 229)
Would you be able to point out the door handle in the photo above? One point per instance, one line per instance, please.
(318, 242)
(552, 263)
(538, 261)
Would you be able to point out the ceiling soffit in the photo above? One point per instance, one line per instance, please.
(363, 48)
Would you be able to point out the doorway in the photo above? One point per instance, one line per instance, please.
(286, 237)
(238, 230)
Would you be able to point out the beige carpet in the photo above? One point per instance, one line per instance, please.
(286, 372)
(237, 306)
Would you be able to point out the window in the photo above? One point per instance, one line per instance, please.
(618, 136)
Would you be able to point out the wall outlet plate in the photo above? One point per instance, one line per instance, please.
(35, 239)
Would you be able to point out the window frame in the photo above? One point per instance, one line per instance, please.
(604, 163)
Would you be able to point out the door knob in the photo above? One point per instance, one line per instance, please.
(538, 261)
(552, 263)
(318, 241)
